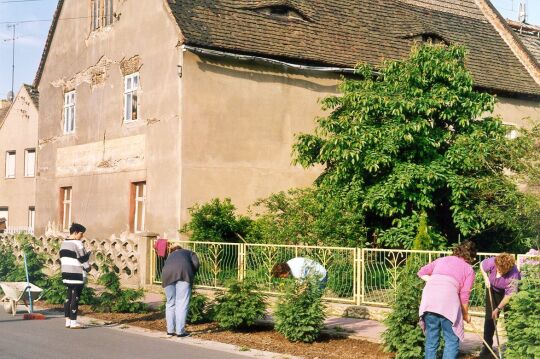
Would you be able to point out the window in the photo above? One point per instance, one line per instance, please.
(102, 13)
(30, 162)
(65, 207)
(69, 112)
(4, 214)
(137, 206)
(31, 217)
(10, 164)
(131, 85)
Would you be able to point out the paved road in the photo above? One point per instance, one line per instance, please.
(48, 339)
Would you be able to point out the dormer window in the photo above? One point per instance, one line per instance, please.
(428, 38)
(102, 13)
(282, 11)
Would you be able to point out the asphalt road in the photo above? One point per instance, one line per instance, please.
(48, 338)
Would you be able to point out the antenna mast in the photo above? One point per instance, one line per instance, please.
(13, 38)
(522, 16)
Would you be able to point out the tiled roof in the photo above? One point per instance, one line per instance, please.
(33, 93)
(530, 36)
(344, 32)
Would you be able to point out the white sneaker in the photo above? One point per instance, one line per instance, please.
(68, 323)
(75, 325)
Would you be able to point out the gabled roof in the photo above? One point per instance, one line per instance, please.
(344, 32)
(529, 35)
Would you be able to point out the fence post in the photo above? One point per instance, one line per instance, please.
(145, 257)
(241, 261)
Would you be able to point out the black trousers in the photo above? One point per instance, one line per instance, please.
(71, 304)
(489, 325)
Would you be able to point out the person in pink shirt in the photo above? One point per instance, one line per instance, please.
(445, 299)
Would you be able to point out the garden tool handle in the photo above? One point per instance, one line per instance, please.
(494, 321)
(485, 344)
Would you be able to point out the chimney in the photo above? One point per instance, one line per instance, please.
(522, 17)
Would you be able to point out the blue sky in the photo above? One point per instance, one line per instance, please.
(31, 36)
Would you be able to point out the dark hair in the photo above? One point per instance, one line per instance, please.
(174, 248)
(77, 228)
(281, 270)
(467, 251)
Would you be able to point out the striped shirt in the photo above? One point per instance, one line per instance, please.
(74, 262)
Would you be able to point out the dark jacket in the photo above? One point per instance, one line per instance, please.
(181, 265)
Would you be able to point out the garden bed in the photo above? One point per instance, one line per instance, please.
(261, 337)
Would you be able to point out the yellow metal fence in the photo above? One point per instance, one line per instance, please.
(355, 275)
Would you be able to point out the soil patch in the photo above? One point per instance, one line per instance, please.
(261, 337)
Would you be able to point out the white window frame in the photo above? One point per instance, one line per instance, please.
(31, 217)
(29, 162)
(140, 205)
(70, 102)
(132, 84)
(67, 207)
(108, 8)
(11, 158)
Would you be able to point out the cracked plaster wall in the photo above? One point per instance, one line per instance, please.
(105, 154)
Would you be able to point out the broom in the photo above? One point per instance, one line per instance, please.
(31, 315)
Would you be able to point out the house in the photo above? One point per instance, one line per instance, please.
(150, 106)
(18, 140)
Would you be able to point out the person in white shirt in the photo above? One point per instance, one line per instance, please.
(301, 268)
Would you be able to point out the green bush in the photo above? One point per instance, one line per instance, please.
(403, 336)
(299, 313)
(55, 292)
(522, 323)
(306, 216)
(115, 299)
(200, 309)
(240, 306)
(216, 221)
(340, 279)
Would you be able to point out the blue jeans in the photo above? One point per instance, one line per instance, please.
(176, 308)
(434, 324)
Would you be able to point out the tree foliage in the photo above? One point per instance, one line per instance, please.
(306, 216)
(216, 221)
(416, 137)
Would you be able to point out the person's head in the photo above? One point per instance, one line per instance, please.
(467, 251)
(175, 248)
(76, 231)
(504, 262)
(281, 270)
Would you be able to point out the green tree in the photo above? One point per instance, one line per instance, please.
(306, 216)
(216, 221)
(415, 136)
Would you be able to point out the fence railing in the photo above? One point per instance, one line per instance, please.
(19, 229)
(355, 275)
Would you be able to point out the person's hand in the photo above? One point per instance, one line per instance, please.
(467, 318)
(495, 314)
(488, 284)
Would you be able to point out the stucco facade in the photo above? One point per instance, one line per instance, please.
(105, 155)
(207, 126)
(18, 134)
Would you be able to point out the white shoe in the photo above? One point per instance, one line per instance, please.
(76, 326)
(68, 323)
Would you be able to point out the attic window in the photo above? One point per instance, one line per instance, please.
(282, 11)
(434, 39)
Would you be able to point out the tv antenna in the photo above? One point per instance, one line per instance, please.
(522, 14)
(13, 38)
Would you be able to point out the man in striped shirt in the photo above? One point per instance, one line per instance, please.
(75, 266)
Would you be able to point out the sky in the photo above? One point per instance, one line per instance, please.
(31, 36)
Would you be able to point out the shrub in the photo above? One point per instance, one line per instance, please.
(306, 216)
(115, 299)
(240, 306)
(200, 309)
(216, 221)
(403, 336)
(300, 312)
(55, 292)
(522, 324)
(340, 281)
